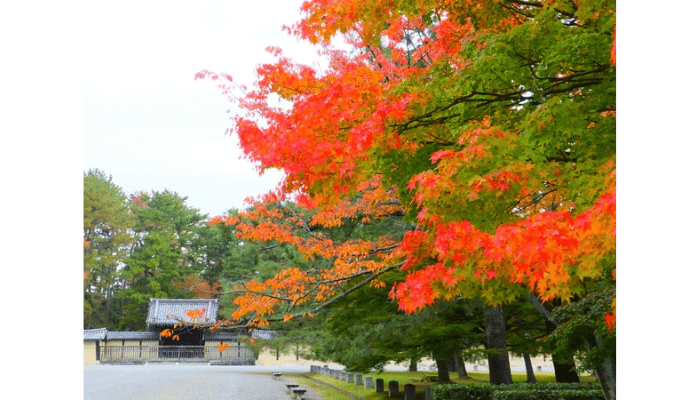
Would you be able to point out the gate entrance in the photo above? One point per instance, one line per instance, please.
(189, 346)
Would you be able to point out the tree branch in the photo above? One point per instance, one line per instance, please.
(537, 303)
(345, 293)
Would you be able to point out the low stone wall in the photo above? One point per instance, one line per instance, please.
(368, 382)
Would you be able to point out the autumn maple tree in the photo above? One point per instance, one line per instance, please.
(490, 123)
(341, 253)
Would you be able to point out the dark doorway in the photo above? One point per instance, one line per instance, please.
(189, 346)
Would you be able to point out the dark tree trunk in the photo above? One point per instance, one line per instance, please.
(452, 364)
(443, 373)
(528, 368)
(413, 366)
(459, 361)
(565, 370)
(564, 367)
(499, 364)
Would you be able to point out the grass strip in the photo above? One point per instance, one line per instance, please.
(330, 391)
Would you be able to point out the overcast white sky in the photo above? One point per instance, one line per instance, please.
(148, 123)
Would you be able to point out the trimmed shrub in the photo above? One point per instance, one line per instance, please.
(519, 391)
(552, 386)
(461, 392)
(536, 394)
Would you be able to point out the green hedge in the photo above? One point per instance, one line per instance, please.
(552, 386)
(547, 395)
(462, 392)
(519, 391)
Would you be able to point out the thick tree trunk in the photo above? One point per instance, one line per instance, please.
(528, 369)
(499, 364)
(443, 373)
(459, 360)
(565, 370)
(606, 375)
(452, 364)
(564, 367)
(413, 366)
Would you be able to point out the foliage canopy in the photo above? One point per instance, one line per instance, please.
(491, 123)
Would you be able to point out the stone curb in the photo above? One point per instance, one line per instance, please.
(322, 383)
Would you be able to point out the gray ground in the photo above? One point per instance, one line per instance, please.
(189, 381)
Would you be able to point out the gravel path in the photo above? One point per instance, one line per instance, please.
(189, 381)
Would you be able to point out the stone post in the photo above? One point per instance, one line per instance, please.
(380, 385)
(358, 379)
(351, 377)
(410, 391)
(368, 382)
(393, 388)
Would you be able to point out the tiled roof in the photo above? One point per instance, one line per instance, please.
(228, 336)
(104, 334)
(95, 334)
(160, 309)
(261, 334)
(132, 335)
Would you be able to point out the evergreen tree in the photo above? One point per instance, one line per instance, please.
(107, 239)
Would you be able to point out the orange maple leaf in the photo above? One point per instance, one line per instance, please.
(223, 347)
(613, 52)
